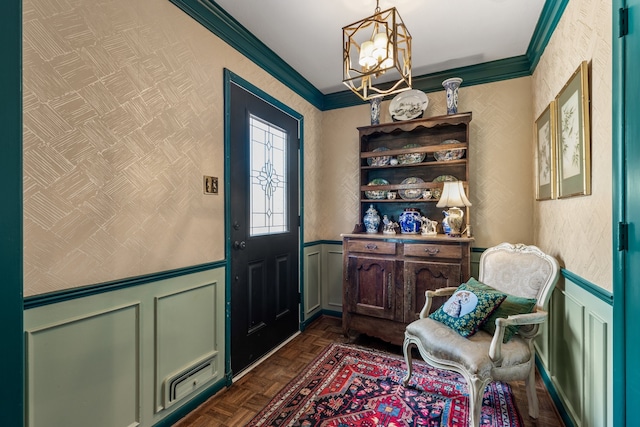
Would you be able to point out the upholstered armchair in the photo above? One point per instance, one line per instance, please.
(519, 271)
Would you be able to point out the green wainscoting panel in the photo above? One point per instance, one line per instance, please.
(85, 370)
(475, 262)
(332, 292)
(312, 281)
(567, 351)
(322, 279)
(596, 390)
(575, 352)
(542, 342)
(102, 360)
(186, 336)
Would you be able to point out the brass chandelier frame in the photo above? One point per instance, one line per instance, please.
(367, 76)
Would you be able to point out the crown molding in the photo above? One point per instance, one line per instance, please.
(219, 22)
(213, 17)
(547, 23)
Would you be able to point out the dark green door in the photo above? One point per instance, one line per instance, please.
(264, 227)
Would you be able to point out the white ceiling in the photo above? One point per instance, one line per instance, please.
(446, 33)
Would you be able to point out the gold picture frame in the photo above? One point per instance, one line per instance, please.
(545, 136)
(573, 152)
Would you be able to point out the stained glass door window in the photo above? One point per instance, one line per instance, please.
(268, 166)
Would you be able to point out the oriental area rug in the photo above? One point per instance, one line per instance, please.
(349, 386)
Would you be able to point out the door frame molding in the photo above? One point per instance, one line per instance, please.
(11, 231)
(231, 78)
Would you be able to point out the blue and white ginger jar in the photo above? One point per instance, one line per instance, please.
(371, 220)
(410, 221)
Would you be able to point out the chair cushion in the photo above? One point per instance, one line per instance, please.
(511, 305)
(445, 345)
(468, 308)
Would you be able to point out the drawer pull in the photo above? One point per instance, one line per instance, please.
(371, 246)
(432, 251)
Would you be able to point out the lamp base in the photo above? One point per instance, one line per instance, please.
(453, 218)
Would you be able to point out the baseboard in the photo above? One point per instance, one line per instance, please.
(191, 404)
(568, 422)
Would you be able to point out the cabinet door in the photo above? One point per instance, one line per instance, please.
(421, 276)
(370, 287)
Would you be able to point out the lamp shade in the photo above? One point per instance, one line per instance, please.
(453, 195)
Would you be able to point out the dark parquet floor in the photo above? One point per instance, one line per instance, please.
(238, 404)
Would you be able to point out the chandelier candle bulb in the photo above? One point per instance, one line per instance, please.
(366, 55)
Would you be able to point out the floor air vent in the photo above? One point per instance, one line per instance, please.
(179, 385)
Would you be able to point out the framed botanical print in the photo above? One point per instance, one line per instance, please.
(545, 130)
(573, 141)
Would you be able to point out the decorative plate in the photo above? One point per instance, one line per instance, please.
(377, 194)
(413, 193)
(447, 155)
(408, 105)
(410, 158)
(445, 178)
(381, 160)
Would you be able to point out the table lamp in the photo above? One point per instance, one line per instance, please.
(453, 197)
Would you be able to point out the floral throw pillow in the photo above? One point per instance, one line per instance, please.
(468, 308)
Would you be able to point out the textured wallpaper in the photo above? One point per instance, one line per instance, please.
(123, 115)
(578, 230)
(501, 169)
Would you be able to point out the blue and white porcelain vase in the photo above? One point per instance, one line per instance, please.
(375, 110)
(451, 87)
(371, 220)
(410, 221)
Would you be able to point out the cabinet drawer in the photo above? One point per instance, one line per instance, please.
(425, 250)
(371, 247)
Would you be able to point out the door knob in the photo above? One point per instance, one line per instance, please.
(239, 245)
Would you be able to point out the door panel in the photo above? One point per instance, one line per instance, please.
(264, 227)
(283, 266)
(427, 276)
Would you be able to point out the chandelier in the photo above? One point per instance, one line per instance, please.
(376, 50)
